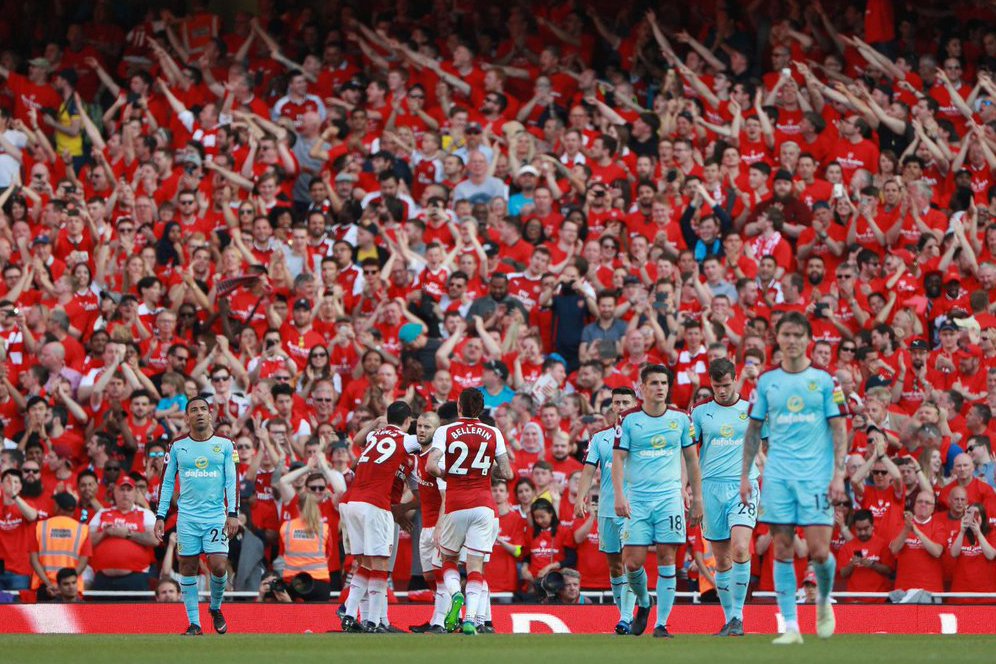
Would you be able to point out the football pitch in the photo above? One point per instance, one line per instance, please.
(503, 649)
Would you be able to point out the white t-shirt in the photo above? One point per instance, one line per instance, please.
(8, 165)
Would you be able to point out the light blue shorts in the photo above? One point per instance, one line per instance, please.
(723, 509)
(795, 503)
(659, 522)
(610, 534)
(193, 539)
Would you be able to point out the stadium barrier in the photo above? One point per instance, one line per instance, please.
(113, 618)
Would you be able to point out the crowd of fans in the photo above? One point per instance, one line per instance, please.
(311, 212)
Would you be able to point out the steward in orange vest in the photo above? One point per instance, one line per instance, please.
(305, 543)
(60, 541)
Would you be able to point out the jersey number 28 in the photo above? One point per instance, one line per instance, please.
(481, 462)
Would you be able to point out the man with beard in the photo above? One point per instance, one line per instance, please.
(824, 238)
(797, 214)
(33, 489)
(815, 273)
(177, 358)
(866, 558)
(400, 206)
(486, 306)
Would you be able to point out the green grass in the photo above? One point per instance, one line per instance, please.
(500, 649)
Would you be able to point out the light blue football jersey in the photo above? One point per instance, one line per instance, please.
(653, 466)
(798, 407)
(720, 431)
(600, 455)
(208, 479)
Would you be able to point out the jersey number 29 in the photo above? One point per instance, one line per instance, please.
(481, 462)
(384, 447)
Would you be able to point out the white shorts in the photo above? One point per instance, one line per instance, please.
(428, 553)
(487, 556)
(473, 528)
(369, 529)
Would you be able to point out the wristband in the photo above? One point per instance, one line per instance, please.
(233, 515)
(160, 518)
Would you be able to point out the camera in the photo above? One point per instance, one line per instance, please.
(133, 98)
(599, 193)
(278, 585)
(821, 310)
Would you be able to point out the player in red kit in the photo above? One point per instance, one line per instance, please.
(366, 513)
(463, 453)
(431, 493)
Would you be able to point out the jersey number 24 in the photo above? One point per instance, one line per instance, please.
(481, 462)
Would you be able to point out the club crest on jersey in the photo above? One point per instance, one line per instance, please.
(659, 441)
(201, 463)
(743, 416)
(726, 431)
(216, 449)
(795, 403)
(812, 386)
(672, 425)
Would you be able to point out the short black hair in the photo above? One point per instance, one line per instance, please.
(794, 318)
(471, 402)
(398, 412)
(722, 367)
(197, 398)
(653, 369)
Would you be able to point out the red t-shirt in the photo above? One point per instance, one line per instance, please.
(502, 572)
(864, 579)
(915, 568)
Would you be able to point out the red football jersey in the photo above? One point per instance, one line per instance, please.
(428, 492)
(469, 450)
(386, 457)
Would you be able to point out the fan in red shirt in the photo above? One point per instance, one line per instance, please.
(551, 546)
(918, 547)
(865, 562)
(463, 453)
(884, 498)
(17, 530)
(974, 555)
(366, 512)
(503, 573)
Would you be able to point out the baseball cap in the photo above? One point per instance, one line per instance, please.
(498, 367)
(40, 62)
(558, 357)
(41, 239)
(969, 352)
(952, 275)
(528, 170)
(490, 249)
(820, 205)
(346, 177)
(125, 480)
(810, 578)
(783, 174)
(948, 325)
(409, 332)
(919, 344)
(302, 303)
(474, 128)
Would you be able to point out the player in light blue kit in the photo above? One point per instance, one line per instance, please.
(208, 508)
(609, 525)
(650, 444)
(804, 470)
(728, 523)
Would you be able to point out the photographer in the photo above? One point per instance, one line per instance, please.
(274, 589)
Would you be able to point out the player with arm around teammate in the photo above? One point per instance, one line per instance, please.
(208, 509)
(804, 470)
(366, 513)
(599, 457)
(648, 487)
(463, 453)
(728, 522)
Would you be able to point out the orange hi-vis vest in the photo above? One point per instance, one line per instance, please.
(304, 551)
(710, 562)
(60, 539)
